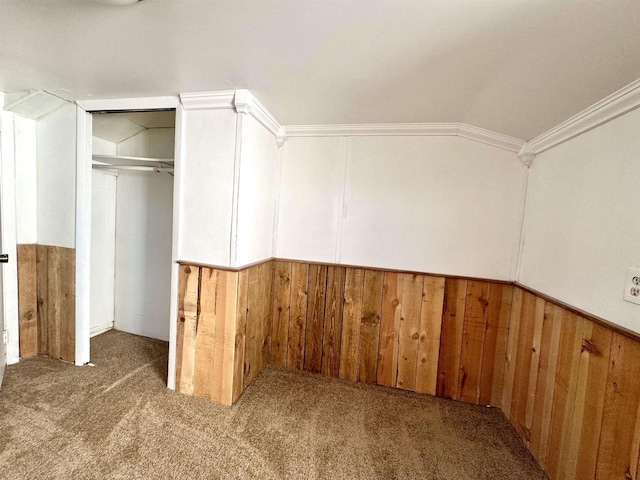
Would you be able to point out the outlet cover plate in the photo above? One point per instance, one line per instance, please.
(632, 285)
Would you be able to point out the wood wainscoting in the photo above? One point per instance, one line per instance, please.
(572, 391)
(46, 301)
(223, 330)
(569, 383)
(427, 334)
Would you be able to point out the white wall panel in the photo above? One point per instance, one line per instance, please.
(153, 142)
(582, 225)
(143, 253)
(56, 153)
(311, 181)
(256, 197)
(103, 250)
(206, 190)
(100, 146)
(431, 204)
(26, 167)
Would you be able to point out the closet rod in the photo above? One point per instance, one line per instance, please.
(134, 168)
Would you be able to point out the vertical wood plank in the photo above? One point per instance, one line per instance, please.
(315, 318)
(430, 329)
(524, 358)
(495, 344)
(512, 352)
(473, 335)
(455, 294)
(370, 326)
(27, 300)
(352, 313)
(226, 303)
(253, 342)
(298, 317)
(265, 305)
(565, 391)
(54, 295)
(534, 366)
(589, 405)
(543, 404)
(241, 333)
(281, 311)
(389, 326)
(333, 322)
(188, 316)
(42, 287)
(204, 364)
(408, 334)
(622, 401)
(183, 277)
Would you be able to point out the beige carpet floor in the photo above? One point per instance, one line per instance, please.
(117, 420)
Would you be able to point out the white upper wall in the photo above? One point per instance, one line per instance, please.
(152, 142)
(256, 193)
(143, 253)
(582, 227)
(311, 180)
(206, 186)
(56, 177)
(440, 204)
(26, 167)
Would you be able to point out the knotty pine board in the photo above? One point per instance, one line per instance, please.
(46, 301)
(569, 385)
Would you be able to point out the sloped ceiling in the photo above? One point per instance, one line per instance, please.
(116, 127)
(517, 67)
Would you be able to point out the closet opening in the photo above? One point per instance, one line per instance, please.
(131, 230)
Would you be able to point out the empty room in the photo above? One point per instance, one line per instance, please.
(324, 239)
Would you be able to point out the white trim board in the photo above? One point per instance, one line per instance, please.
(242, 101)
(610, 107)
(116, 104)
(470, 132)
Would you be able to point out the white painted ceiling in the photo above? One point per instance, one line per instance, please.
(517, 67)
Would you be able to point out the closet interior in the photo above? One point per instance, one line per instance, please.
(131, 222)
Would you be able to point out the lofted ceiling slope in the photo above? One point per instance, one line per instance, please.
(518, 67)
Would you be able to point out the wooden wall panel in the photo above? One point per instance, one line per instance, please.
(351, 317)
(332, 338)
(315, 318)
(451, 338)
(46, 301)
(389, 326)
(569, 385)
(281, 311)
(408, 333)
(430, 330)
(224, 322)
(27, 300)
(370, 326)
(298, 316)
(402, 330)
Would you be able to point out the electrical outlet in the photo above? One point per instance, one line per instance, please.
(632, 285)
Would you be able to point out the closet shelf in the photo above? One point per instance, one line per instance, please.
(122, 161)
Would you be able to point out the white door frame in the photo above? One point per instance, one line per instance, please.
(9, 239)
(83, 216)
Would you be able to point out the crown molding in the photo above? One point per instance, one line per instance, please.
(469, 132)
(526, 155)
(207, 100)
(242, 101)
(139, 103)
(616, 104)
(245, 102)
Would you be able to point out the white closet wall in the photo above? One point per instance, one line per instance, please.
(143, 253)
(103, 245)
